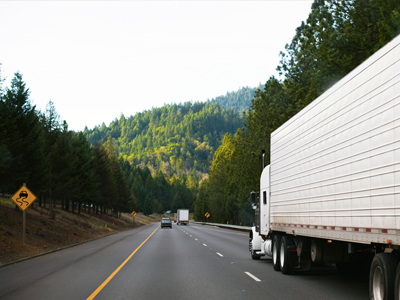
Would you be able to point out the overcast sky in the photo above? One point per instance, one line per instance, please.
(96, 60)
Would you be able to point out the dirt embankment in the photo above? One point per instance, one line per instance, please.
(45, 234)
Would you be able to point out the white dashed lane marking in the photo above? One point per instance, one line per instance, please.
(247, 273)
(252, 276)
(203, 244)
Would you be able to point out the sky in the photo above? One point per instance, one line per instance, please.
(96, 60)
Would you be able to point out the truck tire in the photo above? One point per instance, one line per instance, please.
(254, 255)
(397, 284)
(286, 255)
(382, 276)
(252, 252)
(276, 243)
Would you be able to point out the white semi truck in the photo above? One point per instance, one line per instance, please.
(183, 217)
(331, 193)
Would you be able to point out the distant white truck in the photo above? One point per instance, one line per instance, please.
(331, 193)
(183, 216)
(175, 217)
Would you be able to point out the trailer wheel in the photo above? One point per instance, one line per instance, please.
(285, 255)
(382, 276)
(397, 284)
(276, 243)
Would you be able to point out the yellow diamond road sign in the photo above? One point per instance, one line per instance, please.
(23, 198)
(133, 213)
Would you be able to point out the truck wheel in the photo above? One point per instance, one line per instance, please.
(382, 276)
(252, 252)
(397, 284)
(275, 253)
(285, 255)
(254, 255)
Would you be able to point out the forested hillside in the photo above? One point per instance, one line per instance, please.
(151, 162)
(337, 37)
(176, 140)
(239, 100)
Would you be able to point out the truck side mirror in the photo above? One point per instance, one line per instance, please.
(254, 198)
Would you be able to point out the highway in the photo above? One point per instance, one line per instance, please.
(185, 262)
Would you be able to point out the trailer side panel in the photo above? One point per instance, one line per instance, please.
(335, 166)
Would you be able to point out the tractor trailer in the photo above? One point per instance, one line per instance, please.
(331, 193)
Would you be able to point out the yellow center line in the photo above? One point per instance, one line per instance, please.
(94, 294)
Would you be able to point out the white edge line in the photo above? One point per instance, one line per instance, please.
(220, 254)
(252, 276)
(204, 245)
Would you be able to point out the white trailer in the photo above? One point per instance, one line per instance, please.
(332, 190)
(183, 216)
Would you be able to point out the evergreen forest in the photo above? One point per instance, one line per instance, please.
(167, 151)
(176, 140)
(56, 164)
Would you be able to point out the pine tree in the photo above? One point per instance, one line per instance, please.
(23, 143)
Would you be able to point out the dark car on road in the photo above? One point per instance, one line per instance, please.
(166, 222)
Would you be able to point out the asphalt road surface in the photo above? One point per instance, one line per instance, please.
(185, 262)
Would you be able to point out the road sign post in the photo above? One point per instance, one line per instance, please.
(23, 227)
(133, 215)
(23, 198)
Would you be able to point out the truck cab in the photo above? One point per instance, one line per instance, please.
(259, 244)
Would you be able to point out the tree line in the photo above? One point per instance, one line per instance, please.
(55, 163)
(337, 36)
